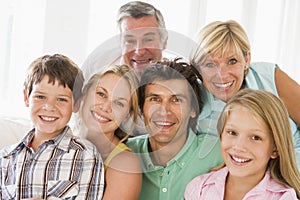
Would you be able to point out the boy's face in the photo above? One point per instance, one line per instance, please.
(50, 107)
(167, 110)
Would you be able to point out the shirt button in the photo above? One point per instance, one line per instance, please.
(164, 189)
(161, 174)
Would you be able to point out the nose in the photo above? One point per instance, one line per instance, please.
(106, 106)
(140, 48)
(222, 69)
(239, 144)
(49, 105)
(164, 108)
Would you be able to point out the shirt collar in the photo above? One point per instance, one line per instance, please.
(180, 158)
(267, 183)
(210, 104)
(60, 141)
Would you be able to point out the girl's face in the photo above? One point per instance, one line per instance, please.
(223, 75)
(246, 144)
(107, 104)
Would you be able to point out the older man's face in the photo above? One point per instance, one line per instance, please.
(141, 42)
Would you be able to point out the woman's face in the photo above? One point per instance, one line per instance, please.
(106, 104)
(223, 75)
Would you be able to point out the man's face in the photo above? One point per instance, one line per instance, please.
(141, 42)
(167, 110)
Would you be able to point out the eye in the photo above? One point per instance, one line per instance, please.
(230, 132)
(62, 99)
(129, 42)
(232, 61)
(101, 94)
(39, 97)
(177, 100)
(155, 99)
(119, 103)
(209, 64)
(148, 39)
(256, 137)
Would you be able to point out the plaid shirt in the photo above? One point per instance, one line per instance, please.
(64, 167)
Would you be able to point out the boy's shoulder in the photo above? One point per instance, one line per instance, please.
(72, 141)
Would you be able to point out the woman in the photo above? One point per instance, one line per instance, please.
(109, 99)
(223, 59)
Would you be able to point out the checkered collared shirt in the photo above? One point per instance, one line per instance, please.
(64, 167)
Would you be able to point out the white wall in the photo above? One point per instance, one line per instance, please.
(31, 28)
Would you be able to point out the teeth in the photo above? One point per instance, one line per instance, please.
(49, 119)
(225, 85)
(99, 117)
(163, 123)
(141, 61)
(240, 160)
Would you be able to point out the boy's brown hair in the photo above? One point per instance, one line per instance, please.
(58, 68)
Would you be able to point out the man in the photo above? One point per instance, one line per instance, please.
(143, 34)
(172, 153)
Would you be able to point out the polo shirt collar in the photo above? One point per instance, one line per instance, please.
(180, 158)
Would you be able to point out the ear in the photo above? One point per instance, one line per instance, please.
(248, 58)
(129, 114)
(193, 113)
(26, 101)
(165, 43)
(76, 105)
(274, 154)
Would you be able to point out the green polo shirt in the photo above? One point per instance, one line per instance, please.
(199, 154)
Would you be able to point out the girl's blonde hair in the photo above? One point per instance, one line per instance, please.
(273, 112)
(221, 36)
(125, 72)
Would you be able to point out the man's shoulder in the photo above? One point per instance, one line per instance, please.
(136, 143)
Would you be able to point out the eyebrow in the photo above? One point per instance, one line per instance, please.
(146, 34)
(174, 95)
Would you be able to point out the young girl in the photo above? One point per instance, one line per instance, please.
(257, 148)
(109, 99)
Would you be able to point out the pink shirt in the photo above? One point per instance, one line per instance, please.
(211, 186)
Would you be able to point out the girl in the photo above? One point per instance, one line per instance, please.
(256, 145)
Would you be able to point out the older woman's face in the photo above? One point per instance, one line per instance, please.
(223, 75)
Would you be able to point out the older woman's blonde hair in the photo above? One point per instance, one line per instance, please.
(273, 112)
(125, 72)
(221, 36)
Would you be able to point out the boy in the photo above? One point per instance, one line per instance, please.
(51, 163)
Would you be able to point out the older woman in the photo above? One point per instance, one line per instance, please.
(223, 59)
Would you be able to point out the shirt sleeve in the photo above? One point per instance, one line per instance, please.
(91, 185)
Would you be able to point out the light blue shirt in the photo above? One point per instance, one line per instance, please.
(261, 76)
